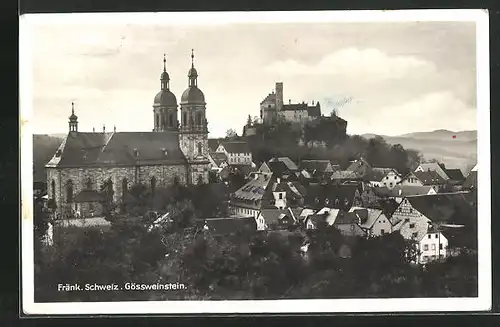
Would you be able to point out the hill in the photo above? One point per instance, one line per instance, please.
(44, 147)
(459, 152)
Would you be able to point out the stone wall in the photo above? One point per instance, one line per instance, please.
(79, 177)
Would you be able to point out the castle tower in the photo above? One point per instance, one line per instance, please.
(165, 104)
(193, 136)
(279, 96)
(73, 120)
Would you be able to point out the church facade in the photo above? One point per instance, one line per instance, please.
(174, 151)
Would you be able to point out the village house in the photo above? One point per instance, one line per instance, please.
(273, 218)
(316, 169)
(456, 177)
(432, 246)
(470, 182)
(281, 170)
(237, 152)
(372, 221)
(218, 160)
(424, 178)
(348, 224)
(378, 177)
(288, 162)
(247, 201)
(401, 191)
(345, 177)
(432, 166)
(359, 167)
(213, 144)
(322, 218)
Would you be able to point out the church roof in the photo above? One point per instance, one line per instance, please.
(193, 95)
(118, 149)
(236, 146)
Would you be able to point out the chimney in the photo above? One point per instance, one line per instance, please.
(289, 101)
(93, 129)
(104, 128)
(278, 180)
(114, 129)
(313, 102)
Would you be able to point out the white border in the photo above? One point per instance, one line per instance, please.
(481, 303)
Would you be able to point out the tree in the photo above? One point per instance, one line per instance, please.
(107, 203)
(231, 134)
(249, 121)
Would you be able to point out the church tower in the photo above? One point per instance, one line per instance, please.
(165, 105)
(73, 120)
(193, 133)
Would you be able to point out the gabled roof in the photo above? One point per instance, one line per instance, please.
(271, 97)
(278, 168)
(471, 180)
(388, 207)
(433, 166)
(225, 226)
(343, 174)
(264, 168)
(358, 166)
(236, 146)
(377, 174)
(314, 111)
(318, 166)
(455, 174)
(274, 215)
(118, 149)
(255, 189)
(287, 161)
(409, 190)
(443, 207)
(346, 218)
(294, 106)
(367, 216)
(429, 177)
(218, 157)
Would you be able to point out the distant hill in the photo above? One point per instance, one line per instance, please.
(459, 152)
(44, 147)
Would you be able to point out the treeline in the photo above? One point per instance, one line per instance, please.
(262, 265)
(327, 140)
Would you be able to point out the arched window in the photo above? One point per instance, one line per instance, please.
(88, 184)
(53, 189)
(198, 118)
(185, 119)
(69, 191)
(200, 148)
(162, 121)
(124, 187)
(157, 120)
(171, 120)
(153, 185)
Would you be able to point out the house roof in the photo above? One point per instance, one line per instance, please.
(409, 190)
(346, 218)
(278, 168)
(344, 174)
(118, 149)
(320, 166)
(367, 216)
(357, 166)
(377, 174)
(236, 146)
(455, 174)
(443, 207)
(287, 161)
(274, 215)
(429, 177)
(225, 226)
(433, 166)
(294, 107)
(471, 180)
(271, 97)
(317, 195)
(218, 157)
(213, 144)
(255, 189)
(314, 111)
(388, 207)
(87, 195)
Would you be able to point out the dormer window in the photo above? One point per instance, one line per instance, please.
(136, 153)
(58, 153)
(164, 151)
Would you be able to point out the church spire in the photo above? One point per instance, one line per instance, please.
(73, 119)
(165, 79)
(193, 74)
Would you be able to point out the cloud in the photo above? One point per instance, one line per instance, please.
(358, 64)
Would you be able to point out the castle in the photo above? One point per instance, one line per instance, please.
(173, 151)
(273, 110)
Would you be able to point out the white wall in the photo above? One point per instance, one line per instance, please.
(280, 203)
(382, 223)
(429, 247)
(390, 180)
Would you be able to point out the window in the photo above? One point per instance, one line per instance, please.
(382, 231)
(414, 235)
(407, 220)
(88, 184)
(200, 152)
(390, 184)
(185, 119)
(429, 236)
(153, 185)
(411, 210)
(437, 235)
(426, 247)
(124, 186)
(281, 196)
(386, 177)
(53, 189)
(412, 225)
(440, 246)
(198, 118)
(426, 258)
(171, 120)
(157, 119)
(69, 191)
(433, 247)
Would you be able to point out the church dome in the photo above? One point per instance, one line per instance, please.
(193, 95)
(164, 76)
(192, 72)
(165, 98)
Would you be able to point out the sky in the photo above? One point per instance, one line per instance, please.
(401, 77)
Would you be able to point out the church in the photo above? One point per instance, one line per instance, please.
(172, 151)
